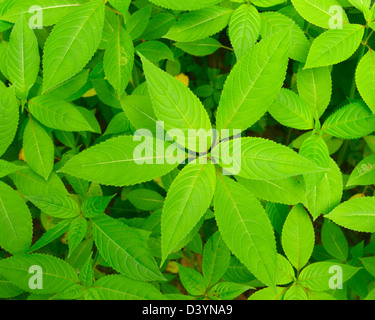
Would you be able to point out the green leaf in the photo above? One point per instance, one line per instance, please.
(138, 22)
(290, 110)
(22, 57)
(7, 168)
(261, 159)
(318, 12)
(116, 162)
(335, 46)
(192, 281)
(118, 60)
(95, 206)
(121, 5)
(56, 205)
(52, 10)
(363, 174)
(38, 148)
(369, 264)
(58, 114)
(298, 237)
(326, 195)
(187, 200)
(285, 271)
(51, 235)
(228, 290)
(246, 229)
(273, 22)
(15, 221)
(200, 24)
(155, 51)
(268, 294)
(267, 3)
(365, 79)
(72, 43)
(286, 191)
(334, 241)
(182, 109)
(316, 276)
(295, 292)
(31, 184)
(249, 91)
(124, 249)
(244, 29)
(178, 5)
(315, 149)
(353, 121)
(7, 289)
(117, 287)
(216, 258)
(356, 214)
(8, 119)
(57, 274)
(159, 26)
(77, 232)
(200, 48)
(86, 274)
(144, 199)
(315, 89)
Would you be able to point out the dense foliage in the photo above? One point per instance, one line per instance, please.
(97, 203)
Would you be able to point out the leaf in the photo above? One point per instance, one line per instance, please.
(86, 274)
(356, 214)
(8, 118)
(72, 43)
(353, 121)
(159, 26)
(216, 258)
(295, 292)
(290, 110)
(7, 289)
(144, 199)
(77, 232)
(200, 48)
(228, 290)
(334, 241)
(140, 112)
(365, 79)
(267, 3)
(124, 249)
(335, 46)
(316, 276)
(246, 229)
(318, 12)
(31, 184)
(253, 83)
(199, 24)
(298, 237)
(22, 57)
(192, 281)
(363, 174)
(261, 159)
(286, 191)
(315, 149)
(268, 294)
(38, 148)
(52, 10)
(15, 221)
(244, 29)
(285, 271)
(315, 89)
(138, 22)
(273, 22)
(7, 168)
(56, 205)
(95, 206)
(57, 274)
(155, 51)
(182, 109)
(117, 287)
(187, 200)
(121, 5)
(51, 235)
(107, 162)
(178, 5)
(326, 195)
(58, 114)
(118, 60)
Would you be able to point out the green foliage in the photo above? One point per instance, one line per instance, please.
(187, 150)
